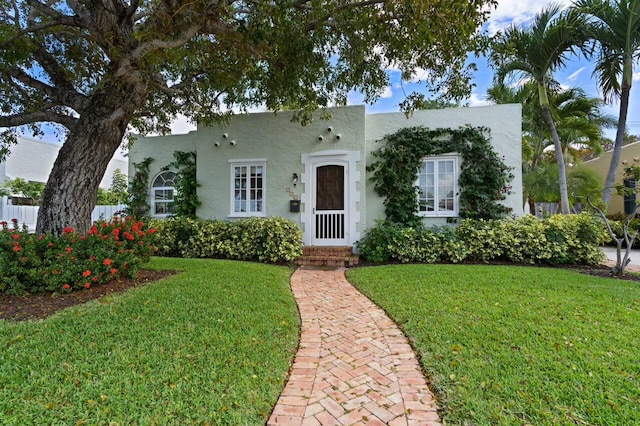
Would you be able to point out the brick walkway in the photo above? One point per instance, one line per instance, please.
(353, 366)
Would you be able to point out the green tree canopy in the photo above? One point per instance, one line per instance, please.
(96, 68)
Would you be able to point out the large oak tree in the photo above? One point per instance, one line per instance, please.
(100, 68)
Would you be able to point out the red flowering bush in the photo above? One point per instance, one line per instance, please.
(31, 263)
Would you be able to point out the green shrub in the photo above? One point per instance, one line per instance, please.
(31, 263)
(173, 234)
(271, 240)
(559, 239)
(484, 239)
(394, 242)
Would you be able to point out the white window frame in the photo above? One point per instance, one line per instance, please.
(163, 188)
(257, 162)
(456, 190)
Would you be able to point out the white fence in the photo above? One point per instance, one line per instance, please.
(543, 209)
(28, 215)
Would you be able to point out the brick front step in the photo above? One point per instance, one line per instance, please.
(335, 257)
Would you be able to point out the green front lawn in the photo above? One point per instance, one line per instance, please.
(510, 345)
(211, 345)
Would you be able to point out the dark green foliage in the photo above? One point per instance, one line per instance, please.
(174, 233)
(138, 189)
(186, 197)
(117, 192)
(484, 178)
(25, 192)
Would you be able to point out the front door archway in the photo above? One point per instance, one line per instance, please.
(330, 198)
(329, 205)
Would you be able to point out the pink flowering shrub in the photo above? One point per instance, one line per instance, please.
(32, 263)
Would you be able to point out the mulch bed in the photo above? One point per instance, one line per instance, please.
(41, 305)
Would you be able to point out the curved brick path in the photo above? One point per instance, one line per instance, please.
(353, 366)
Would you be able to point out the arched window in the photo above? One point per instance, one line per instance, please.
(163, 191)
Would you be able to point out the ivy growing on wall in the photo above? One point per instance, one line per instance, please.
(483, 182)
(138, 189)
(186, 196)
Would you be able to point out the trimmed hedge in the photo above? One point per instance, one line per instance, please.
(559, 239)
(269, 240)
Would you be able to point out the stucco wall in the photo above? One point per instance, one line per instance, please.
(288, 148)
(630, 157)
(33, 160)
(504, 121)
(161, 149)
(281, 142)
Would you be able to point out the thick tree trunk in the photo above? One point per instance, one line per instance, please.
(71, 191)
(617, 147)
(562, 174)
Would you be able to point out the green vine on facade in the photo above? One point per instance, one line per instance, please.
(483, 182)
(138, 190)
(186, 197)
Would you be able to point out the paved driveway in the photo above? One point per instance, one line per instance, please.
(611, 255)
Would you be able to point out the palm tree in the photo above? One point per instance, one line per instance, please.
(615, 30)
(536, 53)
(580, 121)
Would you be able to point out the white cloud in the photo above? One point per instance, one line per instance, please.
(575, 74)
(355, 98)
(521, 81)
(636, 76)
(387, 93)
(419, 75)
(515, 12)
(475, 100)
(181, 125)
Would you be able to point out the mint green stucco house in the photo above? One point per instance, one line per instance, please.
(266, 165)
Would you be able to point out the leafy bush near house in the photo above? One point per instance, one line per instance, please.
(31, 263)
(559, 239)
(389, 241)
(271, 240)
(173, 234)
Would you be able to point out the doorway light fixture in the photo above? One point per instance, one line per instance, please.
(294, 179)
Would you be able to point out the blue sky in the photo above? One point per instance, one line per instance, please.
(578, 73)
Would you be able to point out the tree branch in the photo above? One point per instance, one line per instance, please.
(52, 68)
(161, 84)
(131, 10)
(69, 98)
(153, 45)
(58, 18)
(37, 116)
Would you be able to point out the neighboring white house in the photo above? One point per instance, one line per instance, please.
(33, 160)
(315, 175)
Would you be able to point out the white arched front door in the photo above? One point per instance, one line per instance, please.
(330, 197)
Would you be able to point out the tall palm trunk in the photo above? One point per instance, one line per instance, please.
(562, 174)
(617, 147)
